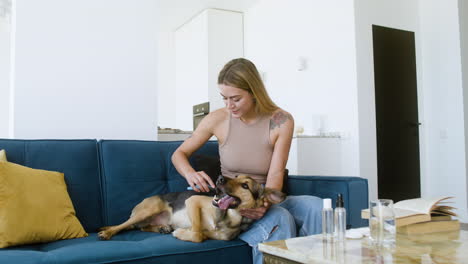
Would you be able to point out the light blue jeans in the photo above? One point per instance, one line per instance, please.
(295, 216)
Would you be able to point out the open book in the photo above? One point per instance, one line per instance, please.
(418, 210)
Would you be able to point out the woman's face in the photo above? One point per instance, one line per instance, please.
(238, 101)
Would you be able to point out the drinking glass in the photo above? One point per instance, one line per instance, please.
(382, 221)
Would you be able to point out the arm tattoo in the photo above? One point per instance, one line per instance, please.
(278, 119)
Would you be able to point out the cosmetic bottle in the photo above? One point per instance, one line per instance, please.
(340, 219)
(327, 220)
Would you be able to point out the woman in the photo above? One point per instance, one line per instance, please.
(254, 137)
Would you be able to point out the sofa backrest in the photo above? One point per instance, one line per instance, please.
(77, 159)
(353, 189)
(133, 170)
(106, 179)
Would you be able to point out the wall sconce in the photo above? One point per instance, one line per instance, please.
(263, 75)
(301, 63)
(5, 10)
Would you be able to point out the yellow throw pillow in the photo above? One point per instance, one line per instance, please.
(35, 207)
(2, 155)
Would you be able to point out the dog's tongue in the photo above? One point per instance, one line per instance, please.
(225, 202)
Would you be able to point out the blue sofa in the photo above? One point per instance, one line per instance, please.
(107, 178)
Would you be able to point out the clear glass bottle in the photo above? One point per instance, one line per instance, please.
(327, 220)
(340, 219)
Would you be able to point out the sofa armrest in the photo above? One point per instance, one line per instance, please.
(354, 190)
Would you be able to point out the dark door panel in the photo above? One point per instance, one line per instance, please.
(396, 114)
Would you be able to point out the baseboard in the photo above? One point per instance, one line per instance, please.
(464, 226)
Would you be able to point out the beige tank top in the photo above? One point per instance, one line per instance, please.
(247, 149)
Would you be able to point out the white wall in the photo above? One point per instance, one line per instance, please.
(443, 102)
(85, 69)
(440, 98)
(5, 29)
(277, 34)
(166, 104)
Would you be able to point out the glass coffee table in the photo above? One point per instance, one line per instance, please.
(442, 247)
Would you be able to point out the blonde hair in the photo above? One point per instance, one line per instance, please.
(242, 73)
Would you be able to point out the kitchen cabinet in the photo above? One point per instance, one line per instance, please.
(315, 155)
(203, 45)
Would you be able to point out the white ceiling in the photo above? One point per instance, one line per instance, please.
(174, 13)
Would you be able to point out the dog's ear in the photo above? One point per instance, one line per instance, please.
(273, 196)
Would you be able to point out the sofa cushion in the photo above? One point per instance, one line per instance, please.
(77, 159)
(133, 170)
(130, 246)
(35, 207)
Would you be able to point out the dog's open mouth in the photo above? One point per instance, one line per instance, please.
(226, 201)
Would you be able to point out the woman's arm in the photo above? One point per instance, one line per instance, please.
(282, 124)
(180, 158)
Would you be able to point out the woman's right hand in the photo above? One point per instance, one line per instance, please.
(256, 213)
(199, 181)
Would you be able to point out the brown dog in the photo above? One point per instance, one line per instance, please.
(196, 217)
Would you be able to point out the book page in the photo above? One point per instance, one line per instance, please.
(419, 205)
(401, 213)
(443, 210)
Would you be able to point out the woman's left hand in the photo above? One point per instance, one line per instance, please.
(255, 213)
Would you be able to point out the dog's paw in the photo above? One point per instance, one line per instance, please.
(188, 235)
(103, 235)
(166, 230)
